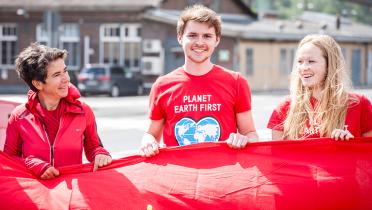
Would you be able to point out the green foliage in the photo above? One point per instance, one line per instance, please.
(289, 9)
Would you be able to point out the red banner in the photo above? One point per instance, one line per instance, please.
(311, 174)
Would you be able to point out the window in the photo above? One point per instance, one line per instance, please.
(286, 60)
(112, 52)
(283, 61)
(8, 46)
(356, 66)
(9, 30)
(291, 60)
(73, 59)
(126, 29)
(132, 54)
(121, 45)
(249, 56)
(369, 68)
(344, 52)
(112, 31)
(69, 30)
(117, 71)
(139, 32)
(42, 35)
(70, 41)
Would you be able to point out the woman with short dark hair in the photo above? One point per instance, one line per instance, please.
(51, 129)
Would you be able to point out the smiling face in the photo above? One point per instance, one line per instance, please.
(311, 66)
(56, 82)
(198, 42)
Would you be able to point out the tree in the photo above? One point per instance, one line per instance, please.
(289, 9)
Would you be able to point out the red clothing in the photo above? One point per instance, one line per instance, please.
(50, 119)
(199, 108)
(358, 117)
(26, 137)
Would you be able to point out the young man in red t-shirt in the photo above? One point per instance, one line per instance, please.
(200, 101)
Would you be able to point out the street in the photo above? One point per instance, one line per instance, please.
(122, 121)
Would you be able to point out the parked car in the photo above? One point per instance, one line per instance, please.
(106, 79)
(73, 78)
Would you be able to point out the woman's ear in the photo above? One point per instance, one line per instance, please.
(37, 84)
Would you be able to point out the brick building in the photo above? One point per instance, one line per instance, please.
(141, 35)
(138, 35)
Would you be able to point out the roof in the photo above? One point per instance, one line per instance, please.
(78, 5)
(308, 23)
(280, 30)
(171, 17)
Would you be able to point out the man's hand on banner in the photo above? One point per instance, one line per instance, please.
(149, 146)
(239, 141)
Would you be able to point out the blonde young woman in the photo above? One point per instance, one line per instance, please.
(320, 104)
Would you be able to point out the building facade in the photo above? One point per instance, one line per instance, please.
(142, 37)
(268, 46)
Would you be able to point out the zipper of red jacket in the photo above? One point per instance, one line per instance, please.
(51, 146)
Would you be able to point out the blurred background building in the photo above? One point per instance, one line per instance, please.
(258, 40)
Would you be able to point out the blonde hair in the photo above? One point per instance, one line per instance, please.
(331, 108)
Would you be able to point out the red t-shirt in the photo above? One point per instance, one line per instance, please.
(199, 108)
(358, 117)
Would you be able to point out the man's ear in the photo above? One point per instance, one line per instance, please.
(218, 41)
(179, 38)
(37, 84)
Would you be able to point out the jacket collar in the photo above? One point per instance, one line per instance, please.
(73, 104)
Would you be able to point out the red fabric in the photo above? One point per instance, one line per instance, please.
(307, 174)
(6, 108)
(214, 98)
(26, 138)
(358, 117)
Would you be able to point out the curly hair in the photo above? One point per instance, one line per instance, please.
(32, 62)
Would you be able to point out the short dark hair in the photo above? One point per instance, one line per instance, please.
(201, 14)
(32, 62)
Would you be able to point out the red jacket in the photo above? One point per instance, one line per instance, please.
(27, 139)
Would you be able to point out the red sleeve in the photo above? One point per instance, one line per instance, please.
(366, 115)
(243, 100)
(36, 165)
(156, 110)
(92, 142)
(13, 141)
(279, 115)
(13, 147)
